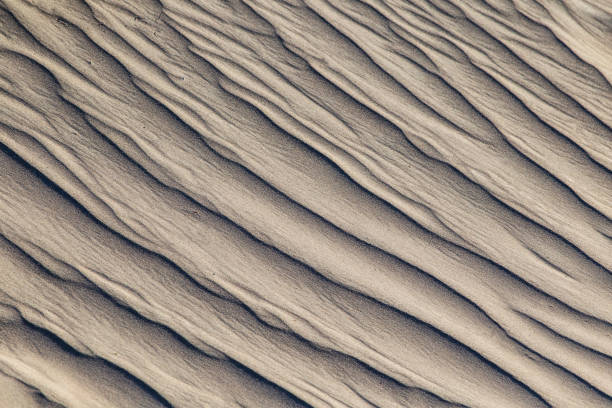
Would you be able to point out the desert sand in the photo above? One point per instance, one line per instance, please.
(305, 203)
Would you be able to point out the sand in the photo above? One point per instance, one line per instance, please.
(293, 203)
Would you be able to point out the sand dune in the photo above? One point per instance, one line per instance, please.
(326, 203)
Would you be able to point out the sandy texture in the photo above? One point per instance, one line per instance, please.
(293, 203)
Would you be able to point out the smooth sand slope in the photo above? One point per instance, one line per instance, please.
(293, 203)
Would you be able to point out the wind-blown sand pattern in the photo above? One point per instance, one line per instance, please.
(294, 203)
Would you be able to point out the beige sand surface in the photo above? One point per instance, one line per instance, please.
(326, 203)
